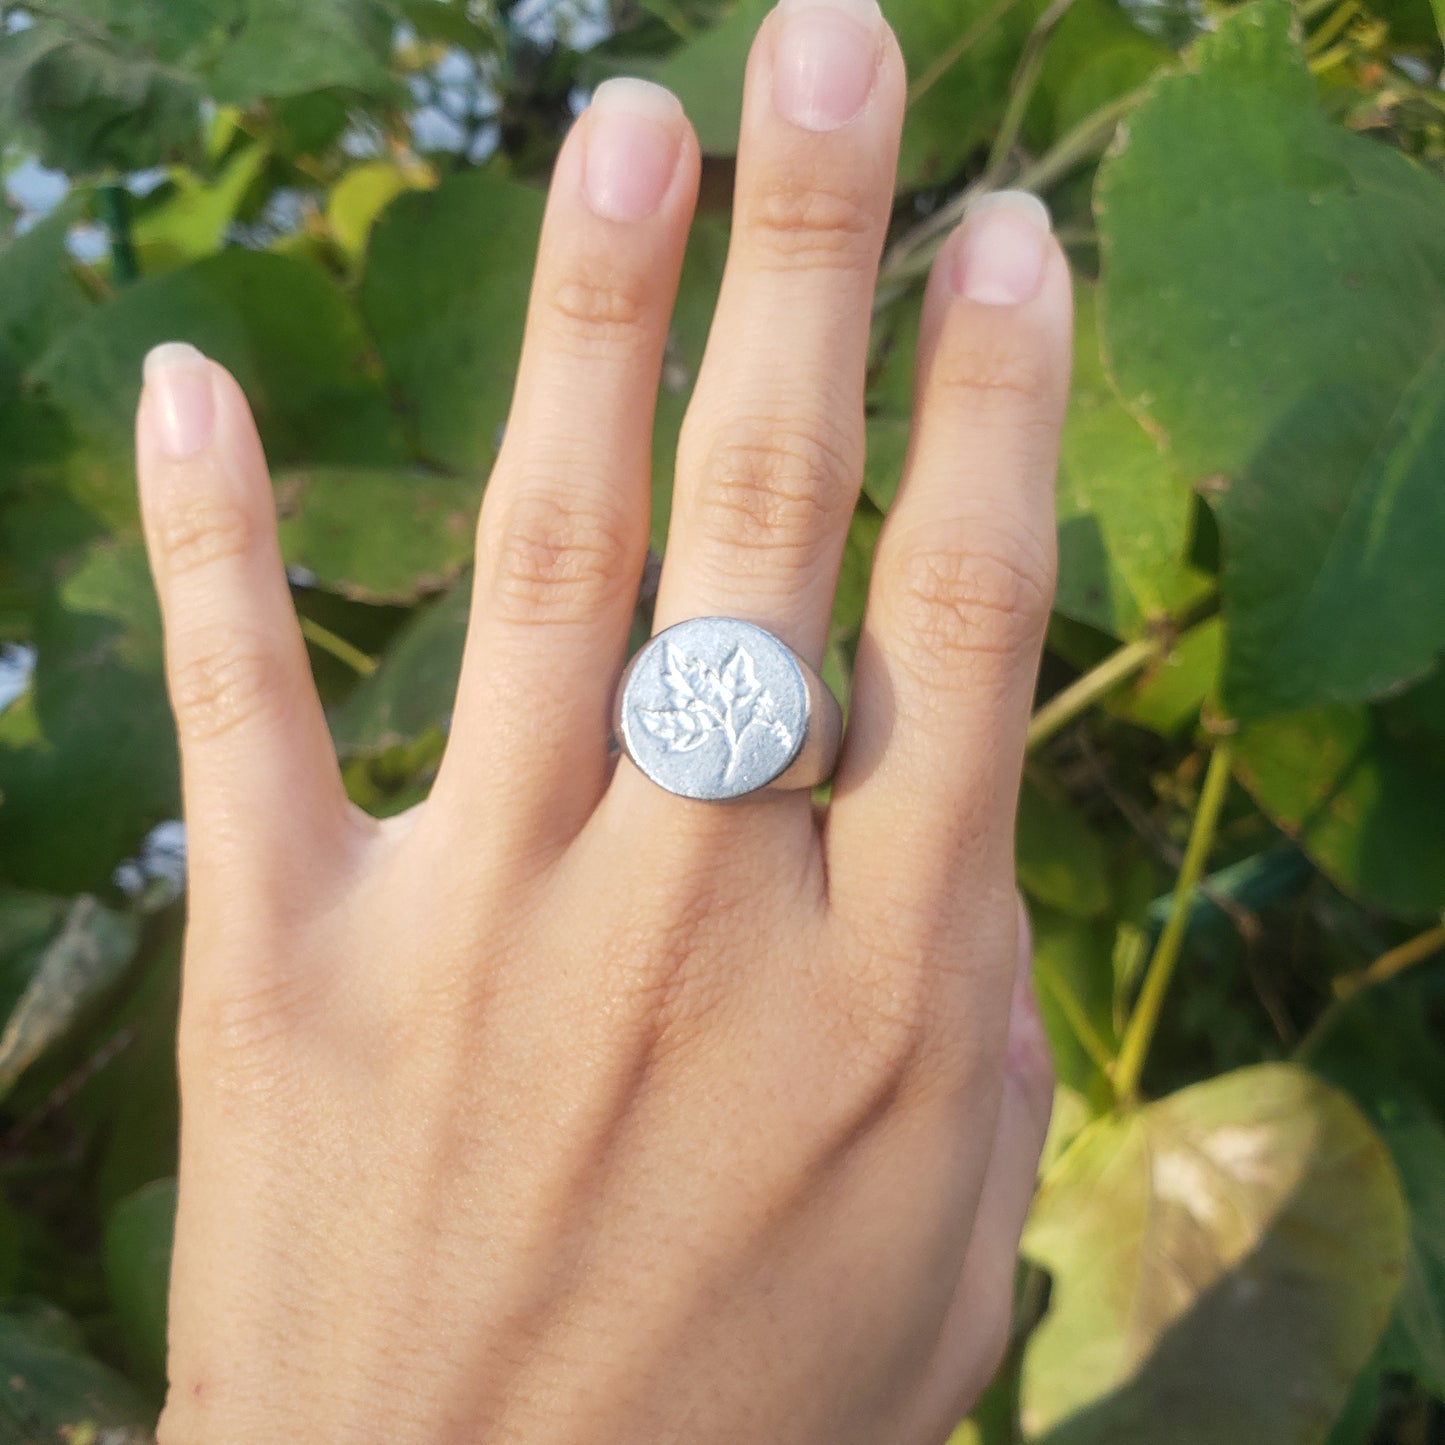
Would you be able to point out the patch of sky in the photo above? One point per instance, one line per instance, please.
(17, 667)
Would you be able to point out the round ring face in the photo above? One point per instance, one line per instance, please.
(714, 708)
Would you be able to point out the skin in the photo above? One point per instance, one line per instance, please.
(561, 1109)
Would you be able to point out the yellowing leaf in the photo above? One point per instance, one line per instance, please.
(363, 193)
(1223, 1261)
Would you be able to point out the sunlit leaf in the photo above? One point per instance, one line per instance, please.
(1244, 1234)
(1366, 807)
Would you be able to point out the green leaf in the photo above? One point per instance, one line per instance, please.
(1363, 1055)
(1060, 858)
(87, 106)
(137, 1256)
(1274, 301)
(1074, 982)
(52, 1390)
(88, 762)
(283, 49)
(961, 56)
(1415, 1341)
(39, 294)
(1123, 509)
(445, 294)
(84, 958)
(1224, 1260)
(414, 686)
(28, 922)
(706, 75)
(1166, 698)
(959, 102)
(283, 328)
(377, 536)
(1094, 55)
(1365, 806)
(191, 220)
(887, 450)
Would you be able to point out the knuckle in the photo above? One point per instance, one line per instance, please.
(824, 224)
(1001, 373)
(980, 591)
(598, 307)
(776, 496)
(560, 561)
(215, 690)
(198, 528)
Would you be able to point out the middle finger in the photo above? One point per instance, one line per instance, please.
(771, 453)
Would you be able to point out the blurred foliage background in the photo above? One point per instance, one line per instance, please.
(1233, 822)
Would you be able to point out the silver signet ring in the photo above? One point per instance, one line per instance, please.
(717, 708)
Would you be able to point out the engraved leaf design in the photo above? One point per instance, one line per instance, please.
(675, 675)
(766, 715)
(739, 679)
(706, 700)
(683, 729)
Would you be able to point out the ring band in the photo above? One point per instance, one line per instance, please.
(717, 708)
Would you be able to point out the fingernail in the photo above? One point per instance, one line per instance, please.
(633, 138)
(1003, 249)
(178, 379)
(825, 60)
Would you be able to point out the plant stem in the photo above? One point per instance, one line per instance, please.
(913, 252)
(948, 57)
(338, 647)
(1021, 91)
(1139, 1032)
(1387, 966)
(115, 213)
(1090, 1039)
(1097, 683)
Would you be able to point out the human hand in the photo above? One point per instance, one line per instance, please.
(561, 1108)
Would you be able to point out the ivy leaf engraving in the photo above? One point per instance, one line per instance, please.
(682, 729)
(739, 680)
(679, 685)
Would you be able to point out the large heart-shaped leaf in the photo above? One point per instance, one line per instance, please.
(1123, 509)
(281, 325)
(1223, 1260)
(377, 536)
(1274, 302)
(85, 104)
(445, 294)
